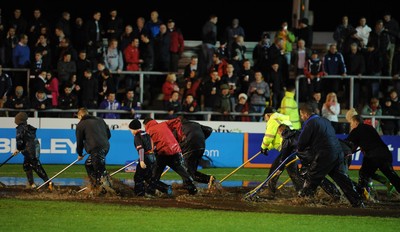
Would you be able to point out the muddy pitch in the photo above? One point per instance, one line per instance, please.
(217, 198)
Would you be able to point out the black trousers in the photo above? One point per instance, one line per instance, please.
(95, 166)
(337, 170)
(145, 176)
(31, 163)
(383, 162)
(192, 159)
(175, 162)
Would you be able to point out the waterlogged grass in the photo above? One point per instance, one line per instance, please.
(79, 171)
(28, 215)
(243, 174)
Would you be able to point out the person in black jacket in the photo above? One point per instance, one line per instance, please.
(92, 133)
(29, 146)
(192, 137)
(147, 162)
(324, 156)
(376, 153)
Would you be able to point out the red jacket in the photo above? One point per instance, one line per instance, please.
(177, 44)
(163, 138)
(175, 125)
(53, 88)
(132, 59)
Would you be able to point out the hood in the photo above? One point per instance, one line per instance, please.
(287, 133)
(150, 124)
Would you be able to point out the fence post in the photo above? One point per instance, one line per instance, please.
(141, 83)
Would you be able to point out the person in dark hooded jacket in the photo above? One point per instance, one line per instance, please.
(192, 137)
(29, 146)
(289, 141)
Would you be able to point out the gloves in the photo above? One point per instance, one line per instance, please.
(264, 151)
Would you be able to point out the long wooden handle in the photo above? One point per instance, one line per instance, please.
(57, 174)
(230, 174)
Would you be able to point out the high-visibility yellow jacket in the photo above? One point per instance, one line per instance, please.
(272, 140)
(289, 107)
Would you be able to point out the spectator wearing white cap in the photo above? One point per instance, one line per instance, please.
(243, 107)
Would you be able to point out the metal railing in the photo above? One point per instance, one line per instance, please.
(141, 78)
(140, 73)
(349, 78)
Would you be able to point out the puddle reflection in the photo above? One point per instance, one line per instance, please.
(10, 181)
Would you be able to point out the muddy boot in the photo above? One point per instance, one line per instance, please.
(30, 186)
(29, 175)
(211, 182)
(191, 188)
(106, 183)
(139, 189)
(50, 186)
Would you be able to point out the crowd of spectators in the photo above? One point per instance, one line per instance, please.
(77, 63)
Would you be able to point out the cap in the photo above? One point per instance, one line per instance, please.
(135, 124)
(314, 52)
(269, 110)
(242, 95)
(21, 117)
(171, 21)
(224, 86)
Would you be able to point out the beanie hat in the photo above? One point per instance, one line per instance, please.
(242, 95)
(135, 124)
(21, 117)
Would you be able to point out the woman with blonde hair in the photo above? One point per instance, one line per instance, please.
(331, 110)
(169, 87)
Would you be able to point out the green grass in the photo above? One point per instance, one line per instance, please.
(24, 215)
(44, 215)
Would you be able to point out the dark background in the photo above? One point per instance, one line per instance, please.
(190, 15)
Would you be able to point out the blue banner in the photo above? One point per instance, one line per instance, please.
(254, 144)
(58, 146)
